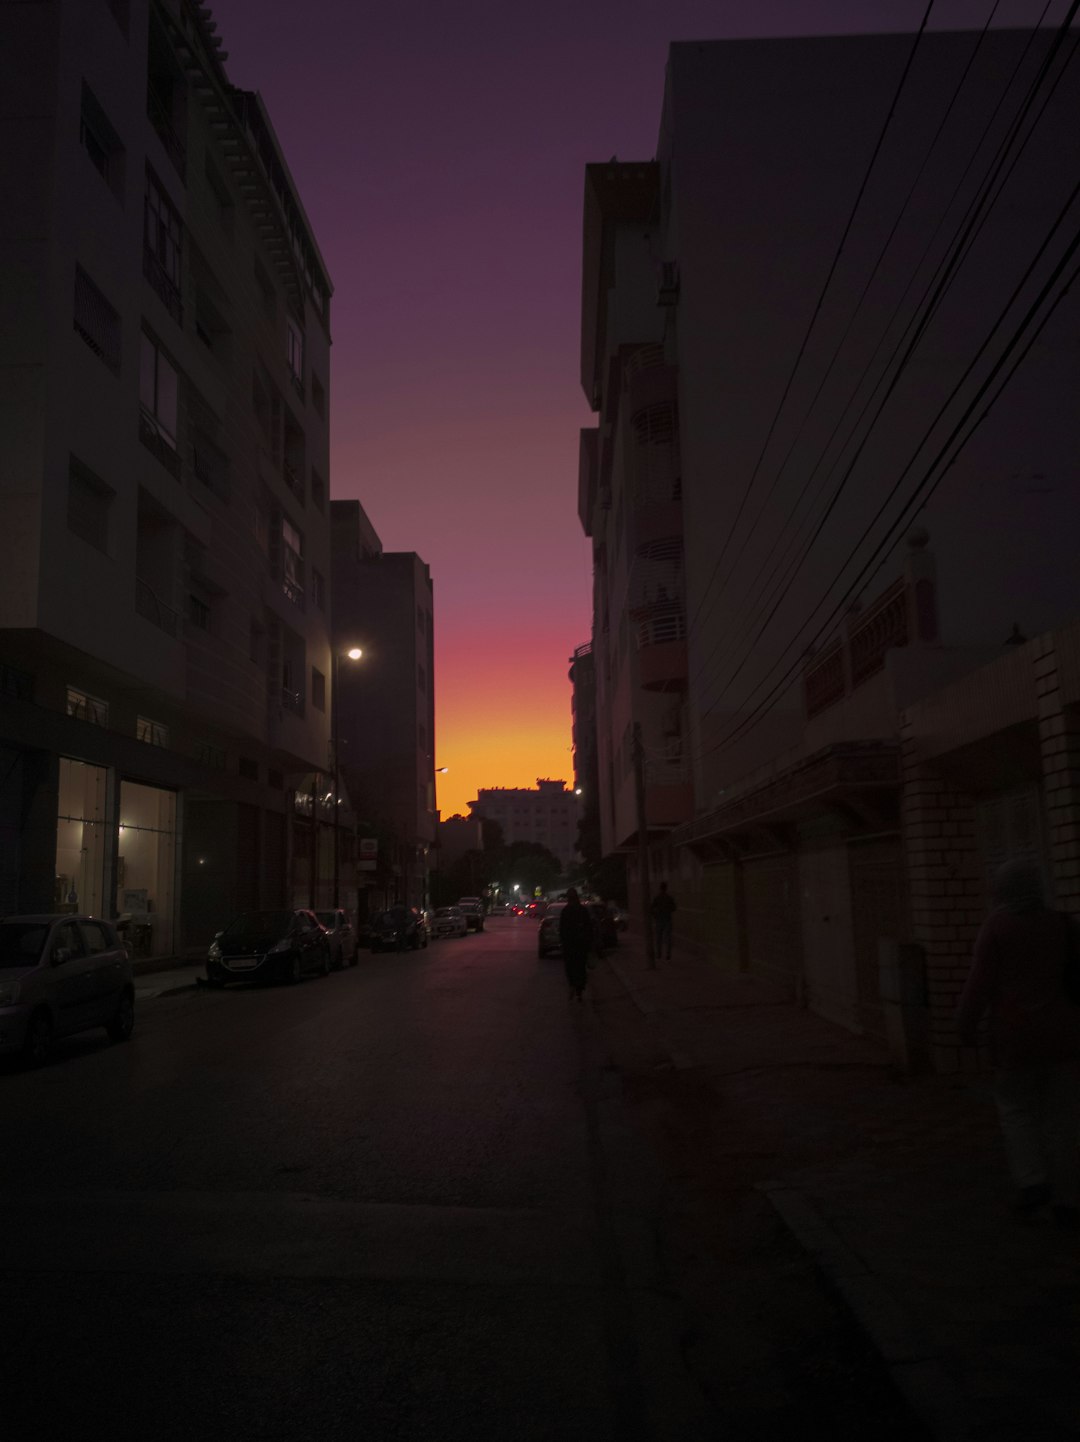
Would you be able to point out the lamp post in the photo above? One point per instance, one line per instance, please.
(354, 653)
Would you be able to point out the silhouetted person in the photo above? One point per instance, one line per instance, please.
(1018, 982)
(663, 909)
(576, 939)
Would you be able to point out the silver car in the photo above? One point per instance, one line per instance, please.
(59, 975)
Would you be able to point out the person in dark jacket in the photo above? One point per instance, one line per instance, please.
(577, 937)
(1018, 986)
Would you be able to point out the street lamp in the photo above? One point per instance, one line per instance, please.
(354, 653)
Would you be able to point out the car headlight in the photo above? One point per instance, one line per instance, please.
(215, 951)
(9, 993)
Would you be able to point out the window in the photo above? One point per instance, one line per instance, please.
(101, 142)
(318, 490)
(96, 321)
(294, 353)
(318, 588)
(223, 202)
(87, 708)
(159, 390)
(209, 755)
(15, 684)
(318, 689)
(318, 396)
(163, 240)
(198, 612)
(154, 733)
(88, 506)
(292, 556)
(94, 938)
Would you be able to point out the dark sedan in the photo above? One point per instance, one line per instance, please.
(399, 929)
(269, 946)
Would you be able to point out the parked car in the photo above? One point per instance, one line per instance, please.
(269, 946)
(427, 924)
(547, 938)
(343, 942)
(398, 929)
(61, 974)
(606, 930)
(473, 909)
(450, 921)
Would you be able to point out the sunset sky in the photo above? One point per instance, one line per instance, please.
(439, 150)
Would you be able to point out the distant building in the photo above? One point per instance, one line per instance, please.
(814, 510)
(165, 540)
(548, 815)
(384, 603)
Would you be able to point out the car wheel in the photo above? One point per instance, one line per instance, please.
(37, 1043)
(295, 972)
(122, 1024)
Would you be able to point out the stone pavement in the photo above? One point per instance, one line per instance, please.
(896, 1186)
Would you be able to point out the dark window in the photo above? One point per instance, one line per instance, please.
(318, 689)
(16, 684)
(89, 502)
(96, 321)
(294, 353)
(101, 142)
(209, 755)
(163, 244)
(266, 289)
(94, 938)
(159, 396)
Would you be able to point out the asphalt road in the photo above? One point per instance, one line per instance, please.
(399, 1202)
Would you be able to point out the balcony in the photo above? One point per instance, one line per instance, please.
(650, 381)
(149, 605)
(166, 288)
(661, 646)
(159, 445)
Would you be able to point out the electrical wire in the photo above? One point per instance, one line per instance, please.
(816, 311)
(976, 213)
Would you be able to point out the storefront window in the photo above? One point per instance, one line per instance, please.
(80, 838)
(146, 872)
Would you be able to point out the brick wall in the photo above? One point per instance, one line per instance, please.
(1059, 740)
(945, 890)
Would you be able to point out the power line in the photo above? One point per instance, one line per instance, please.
(946, 272)
(890, 539)
(813, 318)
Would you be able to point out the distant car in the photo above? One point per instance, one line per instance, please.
(60, 974)
(398, 929)
(449, 921)
(547, 938)
(473, 910)
(343, 943)
(269, 946)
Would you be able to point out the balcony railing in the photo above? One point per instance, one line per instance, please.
(150, 605)
(163, 283)
(210, 465)
(162, 449)
(882, 629)
(292, 701)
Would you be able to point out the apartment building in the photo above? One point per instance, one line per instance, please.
(831, 477)
(164, 583)
(547, 815)
(385, 703)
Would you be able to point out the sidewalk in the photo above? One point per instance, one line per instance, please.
(896, 1186)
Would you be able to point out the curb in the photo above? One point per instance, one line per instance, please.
(149, 993)
(910, 1357)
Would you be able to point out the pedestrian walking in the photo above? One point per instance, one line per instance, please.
(663, 909)
(577, 937)
(1024, 982)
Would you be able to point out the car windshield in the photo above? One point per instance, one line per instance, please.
(258, 924)
(446, 911)
(328, 918)
(22, 942)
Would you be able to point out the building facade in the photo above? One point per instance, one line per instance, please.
(820, 492)
(385, 703)
(164, 623)
(547, 815)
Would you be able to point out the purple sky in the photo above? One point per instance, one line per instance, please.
(439, 151)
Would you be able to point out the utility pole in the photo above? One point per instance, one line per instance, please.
(643, 846)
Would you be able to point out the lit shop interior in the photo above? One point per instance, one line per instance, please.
(146, 855)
